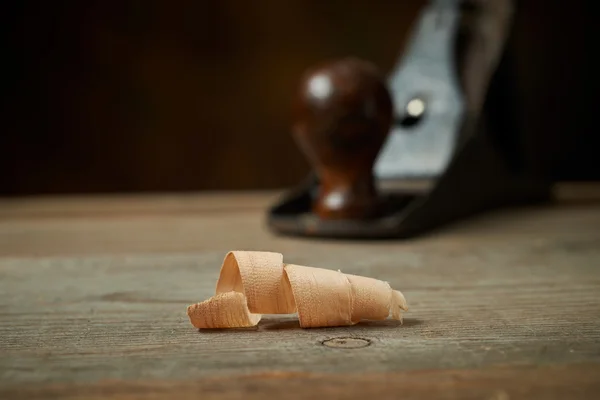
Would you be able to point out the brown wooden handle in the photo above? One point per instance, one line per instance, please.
(343, 115)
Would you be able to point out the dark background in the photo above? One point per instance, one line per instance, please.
(109, 96)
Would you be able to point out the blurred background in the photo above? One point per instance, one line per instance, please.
(137, 96)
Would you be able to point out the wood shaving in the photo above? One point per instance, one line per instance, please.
(252, 283)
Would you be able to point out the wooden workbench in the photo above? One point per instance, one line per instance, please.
(93, 293)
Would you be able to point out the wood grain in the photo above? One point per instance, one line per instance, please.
(500, 383)
(503, 305)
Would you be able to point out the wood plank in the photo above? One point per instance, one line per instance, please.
(123, 317)
(499, 383)
(506, 303)
(132, 204)
(245, 229)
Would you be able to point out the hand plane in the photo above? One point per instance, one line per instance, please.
(432, 143)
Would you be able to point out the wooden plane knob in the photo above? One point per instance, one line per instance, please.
(343, 114)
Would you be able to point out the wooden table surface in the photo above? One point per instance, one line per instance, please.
(93, 293)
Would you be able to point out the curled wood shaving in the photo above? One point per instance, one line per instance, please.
(253, 283)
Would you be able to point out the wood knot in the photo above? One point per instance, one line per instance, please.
(346, 343)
